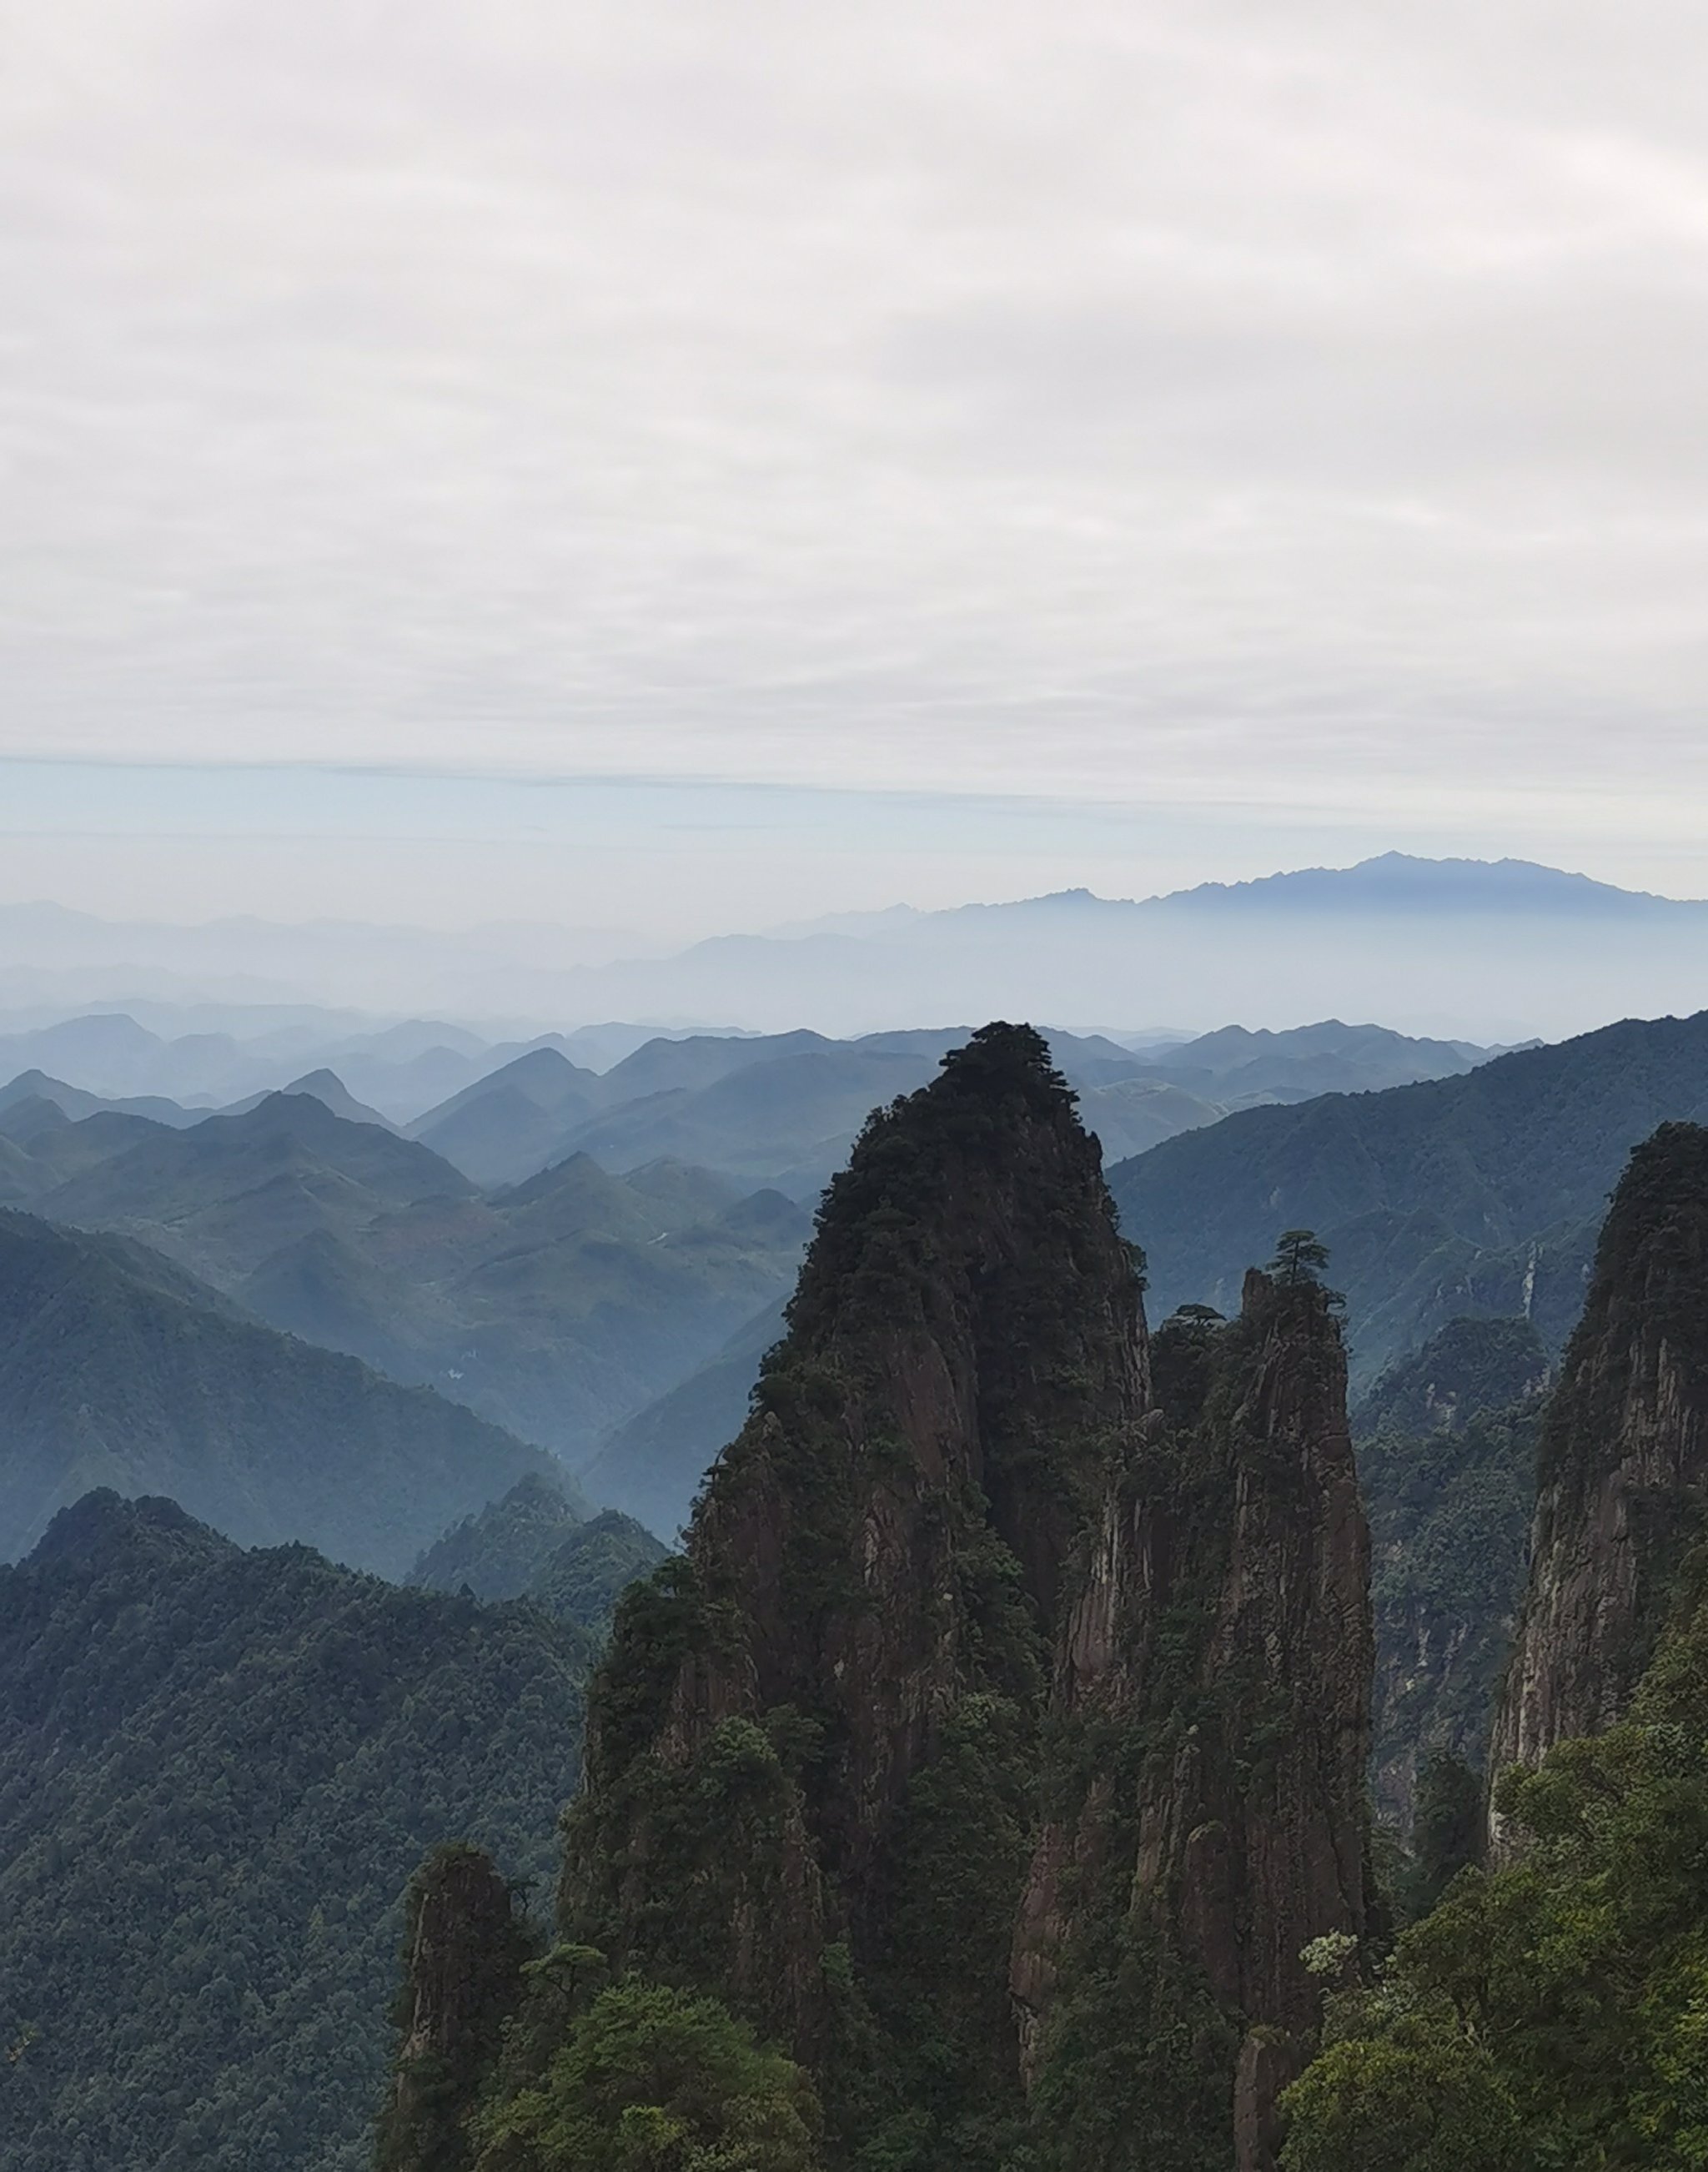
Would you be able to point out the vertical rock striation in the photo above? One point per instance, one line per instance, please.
(998, 1741)
(1623, 1460)
(1218, 1673)
(464, 1950)
(871, 1582)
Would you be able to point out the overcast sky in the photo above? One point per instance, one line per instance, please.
(995, 446)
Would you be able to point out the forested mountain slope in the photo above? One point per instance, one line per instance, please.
(653, 1465)
(1480, 1194)
(117, 1369)
(217, 1771)
(557, 1309)
(1446, 1459)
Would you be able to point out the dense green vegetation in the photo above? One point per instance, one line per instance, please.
(647, 2079)
(1474, 1195)
(586, 1574)
(217, 1771)
(117, 1370)
(1550, 2017)
(1468, 1368)
(533, 1543)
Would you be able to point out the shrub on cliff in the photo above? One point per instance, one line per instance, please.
(649, 2080)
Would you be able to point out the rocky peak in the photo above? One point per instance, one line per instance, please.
(998, 1742)
(888, 1537)
(1220, 1655)
(464, 1950)
(1623, 1460)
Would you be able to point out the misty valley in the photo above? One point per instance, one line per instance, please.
(977, 1599)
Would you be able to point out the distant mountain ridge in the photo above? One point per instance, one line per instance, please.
(1477, 1195)
(1217, 950)
(1237, 947)
(783, 1109)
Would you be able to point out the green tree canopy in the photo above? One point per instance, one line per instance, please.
(1300, 1256)
(1553, 2016)
(650, 2080)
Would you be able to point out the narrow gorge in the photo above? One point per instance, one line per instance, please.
(1623, 1461)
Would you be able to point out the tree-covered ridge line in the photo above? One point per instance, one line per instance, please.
(535, 1543)
(217, 1771)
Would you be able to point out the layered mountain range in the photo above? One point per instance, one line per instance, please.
(983, 1785)
(555, 1310)
(781, 1108)
(1477, 1196)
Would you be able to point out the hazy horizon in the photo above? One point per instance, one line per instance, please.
(1491, 952)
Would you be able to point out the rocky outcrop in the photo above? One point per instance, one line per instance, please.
(1002, 1727)
(1221, 1651)
(1623, 1463)
(887, 1540)
(464, 1950)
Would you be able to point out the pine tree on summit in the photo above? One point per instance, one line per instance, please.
(1300, 1256)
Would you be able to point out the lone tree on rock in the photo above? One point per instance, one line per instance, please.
(1300, 1256)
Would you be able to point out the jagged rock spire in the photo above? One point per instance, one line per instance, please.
(1622, 1463)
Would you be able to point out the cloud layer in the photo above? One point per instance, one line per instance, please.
(1295, 403)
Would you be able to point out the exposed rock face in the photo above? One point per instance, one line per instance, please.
(991, 1678)
(463, 1951)
(1223, 1639)
(888, 1539)
(1623, 1461)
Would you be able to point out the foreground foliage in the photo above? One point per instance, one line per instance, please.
(1552, 2017)
(649, 2080)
